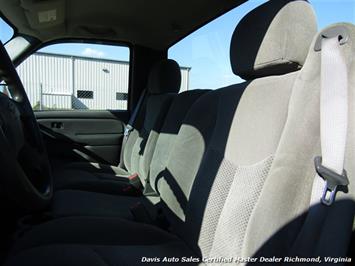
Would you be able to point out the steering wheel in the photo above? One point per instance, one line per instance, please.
(25, 174)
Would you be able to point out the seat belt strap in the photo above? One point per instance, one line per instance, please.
(137, 109)
(129, 127)
(330, 175)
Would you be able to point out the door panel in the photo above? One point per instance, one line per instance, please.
(83, 135)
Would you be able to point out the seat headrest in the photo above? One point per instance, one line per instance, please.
(273, 39)
(165, 77)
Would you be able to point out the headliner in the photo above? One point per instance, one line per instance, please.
(156, 24)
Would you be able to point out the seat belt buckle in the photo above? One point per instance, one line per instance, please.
(128, 129)
(135, 181)
(332, 181)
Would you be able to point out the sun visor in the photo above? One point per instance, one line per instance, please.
(46, 14)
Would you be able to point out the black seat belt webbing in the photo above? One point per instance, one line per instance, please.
(129, 126)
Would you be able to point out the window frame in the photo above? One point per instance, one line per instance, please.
(36, 46)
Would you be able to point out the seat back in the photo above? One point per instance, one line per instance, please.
(169, 131)
(227, 144)
(163, 85)
(285, 221)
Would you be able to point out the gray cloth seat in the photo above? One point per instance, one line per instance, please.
(238, 181)
(87, 202)
(83, 203)
(125, 244)
(163, 84)
(93, 177)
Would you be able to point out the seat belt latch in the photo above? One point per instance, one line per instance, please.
(332, 181)
(128, 129)
(135, 181)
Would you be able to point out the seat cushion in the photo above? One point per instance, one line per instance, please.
(95, 241)
(94, 255)
(84, 203)
(98, 168)
(92, 177)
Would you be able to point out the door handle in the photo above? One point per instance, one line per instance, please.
(57, 125)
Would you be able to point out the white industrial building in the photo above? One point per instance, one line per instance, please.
(65, 82)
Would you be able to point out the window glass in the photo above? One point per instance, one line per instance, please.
(121, 96)
(72, 76)
(333, 11)
(206, 51)
(4, 89)
(6, 31)
(85, 94)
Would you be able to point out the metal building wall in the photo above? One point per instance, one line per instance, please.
(105, 79)
(47, 80)
(53, 81)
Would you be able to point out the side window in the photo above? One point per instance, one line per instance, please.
(206, 51)
(71, 76)
(6, 32)
(333, 11)
(4, 89)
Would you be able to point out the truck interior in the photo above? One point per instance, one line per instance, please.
(260, 171)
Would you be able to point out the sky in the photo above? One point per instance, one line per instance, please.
(206, 50)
